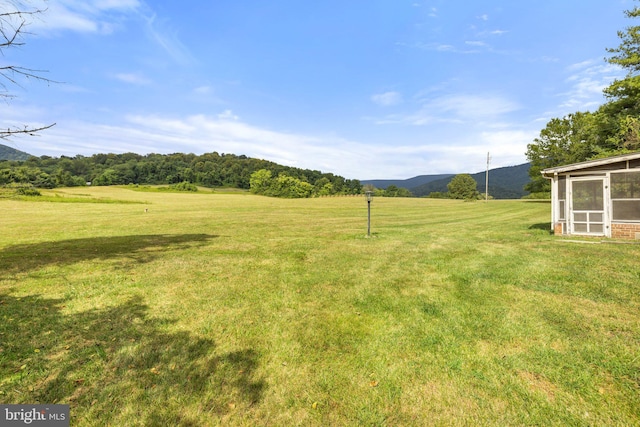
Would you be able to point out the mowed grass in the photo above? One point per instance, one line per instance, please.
(233, 309)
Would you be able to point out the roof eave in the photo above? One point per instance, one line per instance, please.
(550, 172)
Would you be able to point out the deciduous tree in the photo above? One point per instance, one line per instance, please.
(567, 140)
(463, 186)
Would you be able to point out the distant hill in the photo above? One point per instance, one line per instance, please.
(416, 181)
(504, 183)
(8, 153)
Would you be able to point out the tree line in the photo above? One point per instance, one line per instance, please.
(208, 170)
(614, 128)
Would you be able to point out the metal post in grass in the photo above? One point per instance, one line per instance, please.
(486, 182)
(369, 197)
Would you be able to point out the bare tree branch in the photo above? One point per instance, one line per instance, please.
(14, 18)
(31, 131)
(8, 72)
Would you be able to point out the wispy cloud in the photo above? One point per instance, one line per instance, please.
(474, 107)
(443, 47)
(105, 17)
(455, 109)
(93, 16)
(470, 47)
(387, 99)
(116, 4)
(133, 78)
(587, 80)
(164, 36)
(228, 115)
(203, 90)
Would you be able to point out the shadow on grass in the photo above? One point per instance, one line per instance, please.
(545, 226)
(139, 248)
(119, 366)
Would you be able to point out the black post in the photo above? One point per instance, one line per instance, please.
(369, 196)
(368, 218)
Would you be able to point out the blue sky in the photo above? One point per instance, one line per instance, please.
(367, 89)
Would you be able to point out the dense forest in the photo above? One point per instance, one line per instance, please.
(224, 170)
(208, 170)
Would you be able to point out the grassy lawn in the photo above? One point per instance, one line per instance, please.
(151, 308)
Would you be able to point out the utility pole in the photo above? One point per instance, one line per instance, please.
(486, 183)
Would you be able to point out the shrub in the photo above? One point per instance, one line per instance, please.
(539, 195)
(27, 191)
(184, 186)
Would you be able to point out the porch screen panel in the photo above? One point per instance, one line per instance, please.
(588, 196)
(625, 196)
(562, 196)
(581, 228)
(596, 228)
(626, 210)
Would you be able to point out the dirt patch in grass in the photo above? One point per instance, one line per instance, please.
(538, 384)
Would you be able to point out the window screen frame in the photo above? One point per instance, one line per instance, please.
(618, 197)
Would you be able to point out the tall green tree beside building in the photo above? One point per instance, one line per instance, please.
(612, 129)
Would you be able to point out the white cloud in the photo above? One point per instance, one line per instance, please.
(508, 144)
(133, 78)
(58, 17)
(116, 4)
(228, 115)
(82, 16)
(449, 151)
(227, 133)
(168, 40)
(473, 107)
(387, 99)
(586, 84)
(580, 66)
(475, 47)
(203, 90)
(104, 17)
(455, 108)
(441, 47)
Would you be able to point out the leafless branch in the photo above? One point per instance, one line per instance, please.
(13, 26)
(8, 72)
(4, 134)
(14, 18)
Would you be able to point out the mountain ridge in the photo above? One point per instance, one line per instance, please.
(9, 153)
(504, 183)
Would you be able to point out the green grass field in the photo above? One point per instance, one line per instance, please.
(150, 308)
